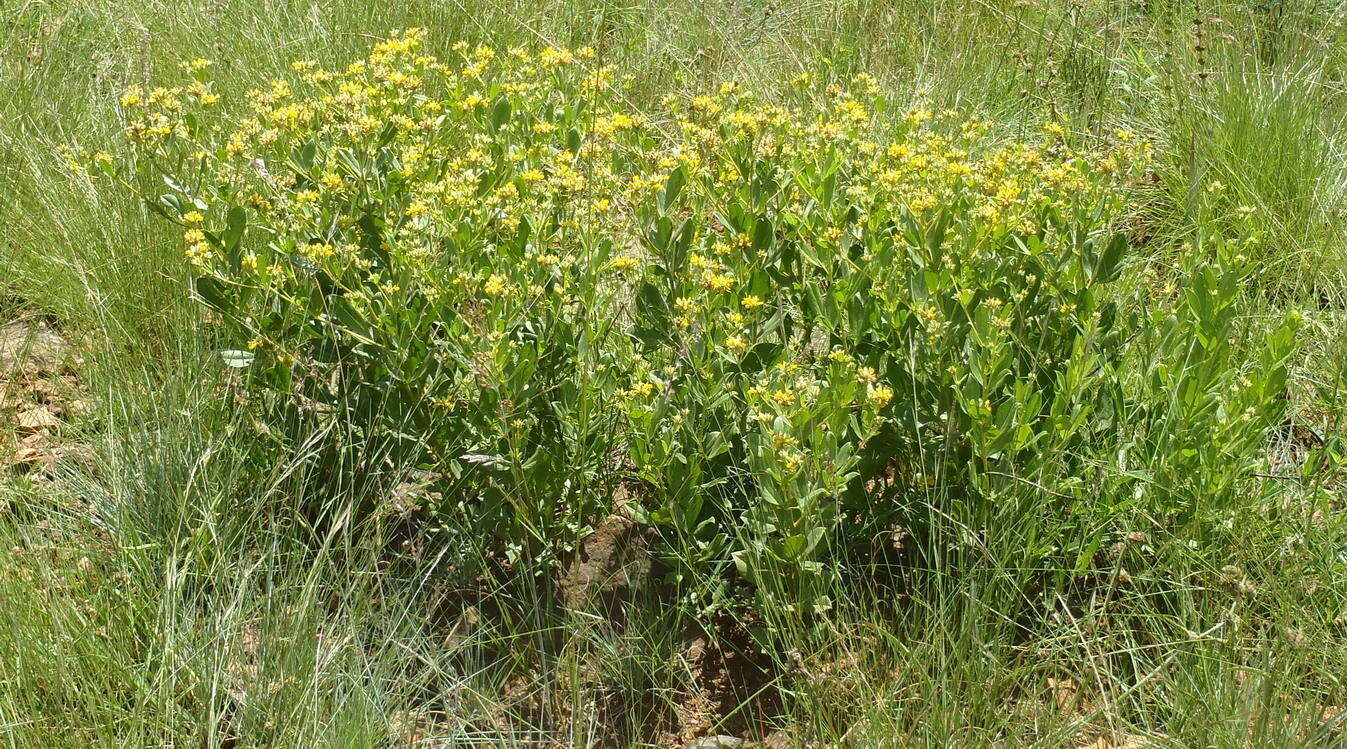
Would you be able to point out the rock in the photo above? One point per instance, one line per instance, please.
(31, 346)
(612, 564)
(715, 742)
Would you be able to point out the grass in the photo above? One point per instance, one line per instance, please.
(158, 591)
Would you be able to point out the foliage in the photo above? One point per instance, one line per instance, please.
(1114, 522)
(781, 322)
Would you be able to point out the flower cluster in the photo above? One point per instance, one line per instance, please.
(760, 306)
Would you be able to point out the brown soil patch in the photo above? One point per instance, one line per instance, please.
(39, 394)
(612, 564)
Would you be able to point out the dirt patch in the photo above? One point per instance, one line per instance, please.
(734, 690)
(39, 394)
(613, 563)
(32, 346)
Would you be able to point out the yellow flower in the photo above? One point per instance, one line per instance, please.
(555, 56)
(852, 111)
(133, 96)
(640, 390)
(918, 116)
(880, 395)
(719, 281)
(315, 251)
(615, 123)
(623, 263)
(751, 302)
(706, 104)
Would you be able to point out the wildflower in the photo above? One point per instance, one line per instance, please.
(133, 96)
(719, 281)
(624, 263)
(612, 124)
(879, 395)
(202, 94)
(706, 105)
(852, 111)
(918, 116)
(641, 390)
(315, 251)
(555, 56)
(472, 101)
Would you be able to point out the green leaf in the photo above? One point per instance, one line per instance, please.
(500, 114)
(760, 357)
(235, 222)
(213, 293)
(1109, 266)
(653, 318)
(672, 188)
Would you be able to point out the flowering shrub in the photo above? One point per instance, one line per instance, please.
(777, 326)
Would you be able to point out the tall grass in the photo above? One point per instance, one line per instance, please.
(160, 592)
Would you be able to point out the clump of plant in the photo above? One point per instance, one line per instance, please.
(781, 334)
